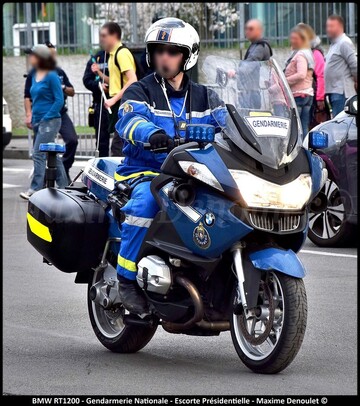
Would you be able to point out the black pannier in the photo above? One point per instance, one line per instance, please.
(68, 228)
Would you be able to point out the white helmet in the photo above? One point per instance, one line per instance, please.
(173, 31)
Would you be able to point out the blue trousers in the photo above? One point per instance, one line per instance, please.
(139, 212)
(337, 102)
(303, 105)
(45, 132)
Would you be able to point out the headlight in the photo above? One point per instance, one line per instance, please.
(260, 193)
(200, 172)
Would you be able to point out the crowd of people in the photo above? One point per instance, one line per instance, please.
(320, 84)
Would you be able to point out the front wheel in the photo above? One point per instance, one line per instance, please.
(110, 329)
(268, 337)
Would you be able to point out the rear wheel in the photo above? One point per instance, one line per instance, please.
(328, 225)
(268, 337)
(110, 329)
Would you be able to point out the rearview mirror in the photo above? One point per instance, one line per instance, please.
(318, 140)
(351, 106)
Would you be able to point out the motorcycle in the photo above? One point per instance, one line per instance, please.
(220, 254)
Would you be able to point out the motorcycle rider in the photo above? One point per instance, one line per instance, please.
(154, 110)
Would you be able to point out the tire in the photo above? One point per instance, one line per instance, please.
(329, 227)
(118, 337)
(289, 336)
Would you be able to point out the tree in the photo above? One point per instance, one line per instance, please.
(209, 19)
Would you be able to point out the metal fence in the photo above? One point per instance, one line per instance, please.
(74, 27)
(78, 112)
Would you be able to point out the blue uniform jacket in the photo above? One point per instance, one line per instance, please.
(144, 111)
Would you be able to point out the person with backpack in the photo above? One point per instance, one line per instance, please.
(122, 73)
(319, 111)
(248, 74)
(260, 48)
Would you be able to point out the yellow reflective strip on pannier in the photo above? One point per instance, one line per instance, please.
(39, 229)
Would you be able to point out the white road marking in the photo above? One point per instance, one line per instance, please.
(79, 164)
(329, 254)
(16, 170)
(9, 185)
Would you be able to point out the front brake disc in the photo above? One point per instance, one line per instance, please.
(251, 338)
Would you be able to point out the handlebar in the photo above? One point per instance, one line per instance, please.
(177, 142)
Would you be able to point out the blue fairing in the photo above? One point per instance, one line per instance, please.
(285, 261)
(225, 230)
(209, 157)
(316, 165)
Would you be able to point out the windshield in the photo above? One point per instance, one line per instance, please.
(256, 109)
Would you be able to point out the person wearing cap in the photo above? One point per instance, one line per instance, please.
(47, 101)
(67, 129)
(154, 110)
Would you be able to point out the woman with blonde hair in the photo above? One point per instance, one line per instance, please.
(318, 112)
(299, 74)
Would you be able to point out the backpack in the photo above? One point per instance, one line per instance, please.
(262, 42)
(139, 69)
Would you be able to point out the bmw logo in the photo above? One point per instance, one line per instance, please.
(209, 219)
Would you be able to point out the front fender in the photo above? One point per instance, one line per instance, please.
(285, 261)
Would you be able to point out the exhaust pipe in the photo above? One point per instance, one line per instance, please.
(214, 325)
(197, 319)
(198, 305)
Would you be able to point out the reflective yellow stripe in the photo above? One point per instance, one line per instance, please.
(127, 264)
(38, 229)
(132, 130)
(134, 175)
(260, 114)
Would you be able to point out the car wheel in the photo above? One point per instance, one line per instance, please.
(328, 226)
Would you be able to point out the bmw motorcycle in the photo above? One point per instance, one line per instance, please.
(221, 252)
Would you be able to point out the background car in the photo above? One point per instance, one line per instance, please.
(7, 124)
(333, 213)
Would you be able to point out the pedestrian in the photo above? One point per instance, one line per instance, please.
(91, 81)
(248, 74)
(260, 48)
(122, 73)
(299, 74)
(67, 129)
(47, 101)
(340, 65)
(318, 113)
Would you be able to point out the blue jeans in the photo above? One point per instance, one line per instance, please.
(45, 131)
(337, 102)
(303, 105)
